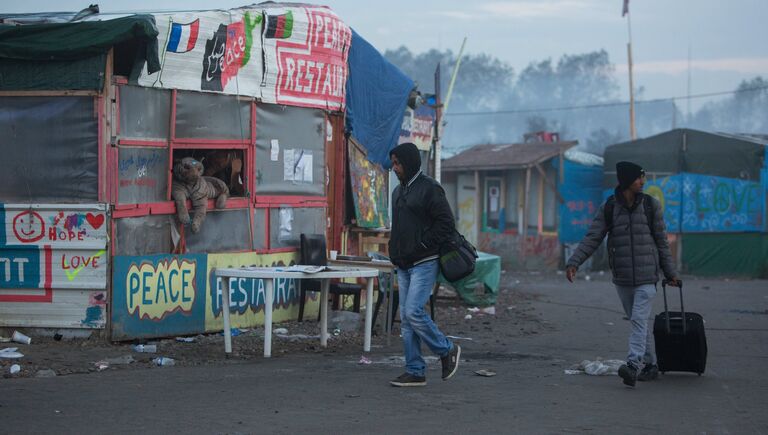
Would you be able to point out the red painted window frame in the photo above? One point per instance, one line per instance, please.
(252, 202)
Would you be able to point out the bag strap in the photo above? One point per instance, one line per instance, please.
(608, 212)
(649, 213)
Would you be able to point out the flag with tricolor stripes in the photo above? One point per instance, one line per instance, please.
(279, 26)
(183, 37)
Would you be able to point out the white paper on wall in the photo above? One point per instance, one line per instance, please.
(274, 150)
(297, 166)
(286, 224)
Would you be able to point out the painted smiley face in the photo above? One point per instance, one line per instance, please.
(28, 226)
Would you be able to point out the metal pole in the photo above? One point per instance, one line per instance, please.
(453, 77)
(444, 110)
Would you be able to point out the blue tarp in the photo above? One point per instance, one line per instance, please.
(582, 190)
(377, 93)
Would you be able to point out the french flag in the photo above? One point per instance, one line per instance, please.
(183, 37)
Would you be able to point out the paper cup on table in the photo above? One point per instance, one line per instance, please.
(18, 337)
(334, 254)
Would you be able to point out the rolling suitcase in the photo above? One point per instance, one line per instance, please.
(681, 344)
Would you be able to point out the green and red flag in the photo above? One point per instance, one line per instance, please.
(279, 26)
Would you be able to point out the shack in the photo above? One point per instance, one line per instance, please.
(506, 200)
(93, 116)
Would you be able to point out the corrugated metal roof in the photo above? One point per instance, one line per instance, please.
(505, 156)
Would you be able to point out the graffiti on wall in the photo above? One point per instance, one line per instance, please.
(717, 204)
(284, 55)
(47, 247)
(522, 252)
(158, 295)
(695, 203)
(576, 216)
(308, 69)
(142, 168)
(166, 295)
(668, 190)
(467, 218)
(247, 295)
(154, 290)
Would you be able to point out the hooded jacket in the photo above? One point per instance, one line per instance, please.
(421, 216)
(635, 255)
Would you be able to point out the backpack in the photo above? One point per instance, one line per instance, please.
(610, 203)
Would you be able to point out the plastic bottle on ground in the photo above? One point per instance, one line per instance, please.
(145, 348)
(164, 361)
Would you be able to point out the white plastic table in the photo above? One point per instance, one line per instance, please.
(269, 274)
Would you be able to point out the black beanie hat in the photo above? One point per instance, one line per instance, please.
(627, 173)
(409, 158)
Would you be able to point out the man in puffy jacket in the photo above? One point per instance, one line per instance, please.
(637, 251)
(421, 222)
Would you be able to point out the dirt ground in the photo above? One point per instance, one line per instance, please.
(514, 317)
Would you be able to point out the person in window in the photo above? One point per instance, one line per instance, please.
(421, 221)
(637, 251)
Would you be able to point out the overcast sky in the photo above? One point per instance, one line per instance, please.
(727, 40)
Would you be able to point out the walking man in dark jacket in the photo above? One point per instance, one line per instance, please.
(421, 222)
(637, 251)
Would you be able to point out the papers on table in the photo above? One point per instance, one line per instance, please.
(303, 268)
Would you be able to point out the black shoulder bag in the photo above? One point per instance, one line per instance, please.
(457, 258)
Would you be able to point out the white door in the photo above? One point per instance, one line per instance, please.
(466, 196)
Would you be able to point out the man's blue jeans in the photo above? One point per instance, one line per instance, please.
(415, 287)
(638, 303)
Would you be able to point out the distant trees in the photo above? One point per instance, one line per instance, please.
(513, 105)
(480, 86)
(575, 80)
(743, 112)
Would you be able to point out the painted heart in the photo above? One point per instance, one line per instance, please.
(95, 220)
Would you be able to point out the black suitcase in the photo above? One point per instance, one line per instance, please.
(681, 344)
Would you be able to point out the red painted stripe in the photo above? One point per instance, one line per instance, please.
(193, 31)
(211, 143)
(48, 270)
(143, 143)
(308, 201)
(102, 177)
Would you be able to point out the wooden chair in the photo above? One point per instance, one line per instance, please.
(313, 252)
(380, 242)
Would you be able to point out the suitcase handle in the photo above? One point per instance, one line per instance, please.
(664, 283)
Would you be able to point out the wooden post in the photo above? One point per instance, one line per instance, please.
(519, 205)
(632, 131)
(479, 195)
(503, 201)
(551, 185)
(540, 220)
(526, 200)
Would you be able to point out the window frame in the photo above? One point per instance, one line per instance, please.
(250, 201)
